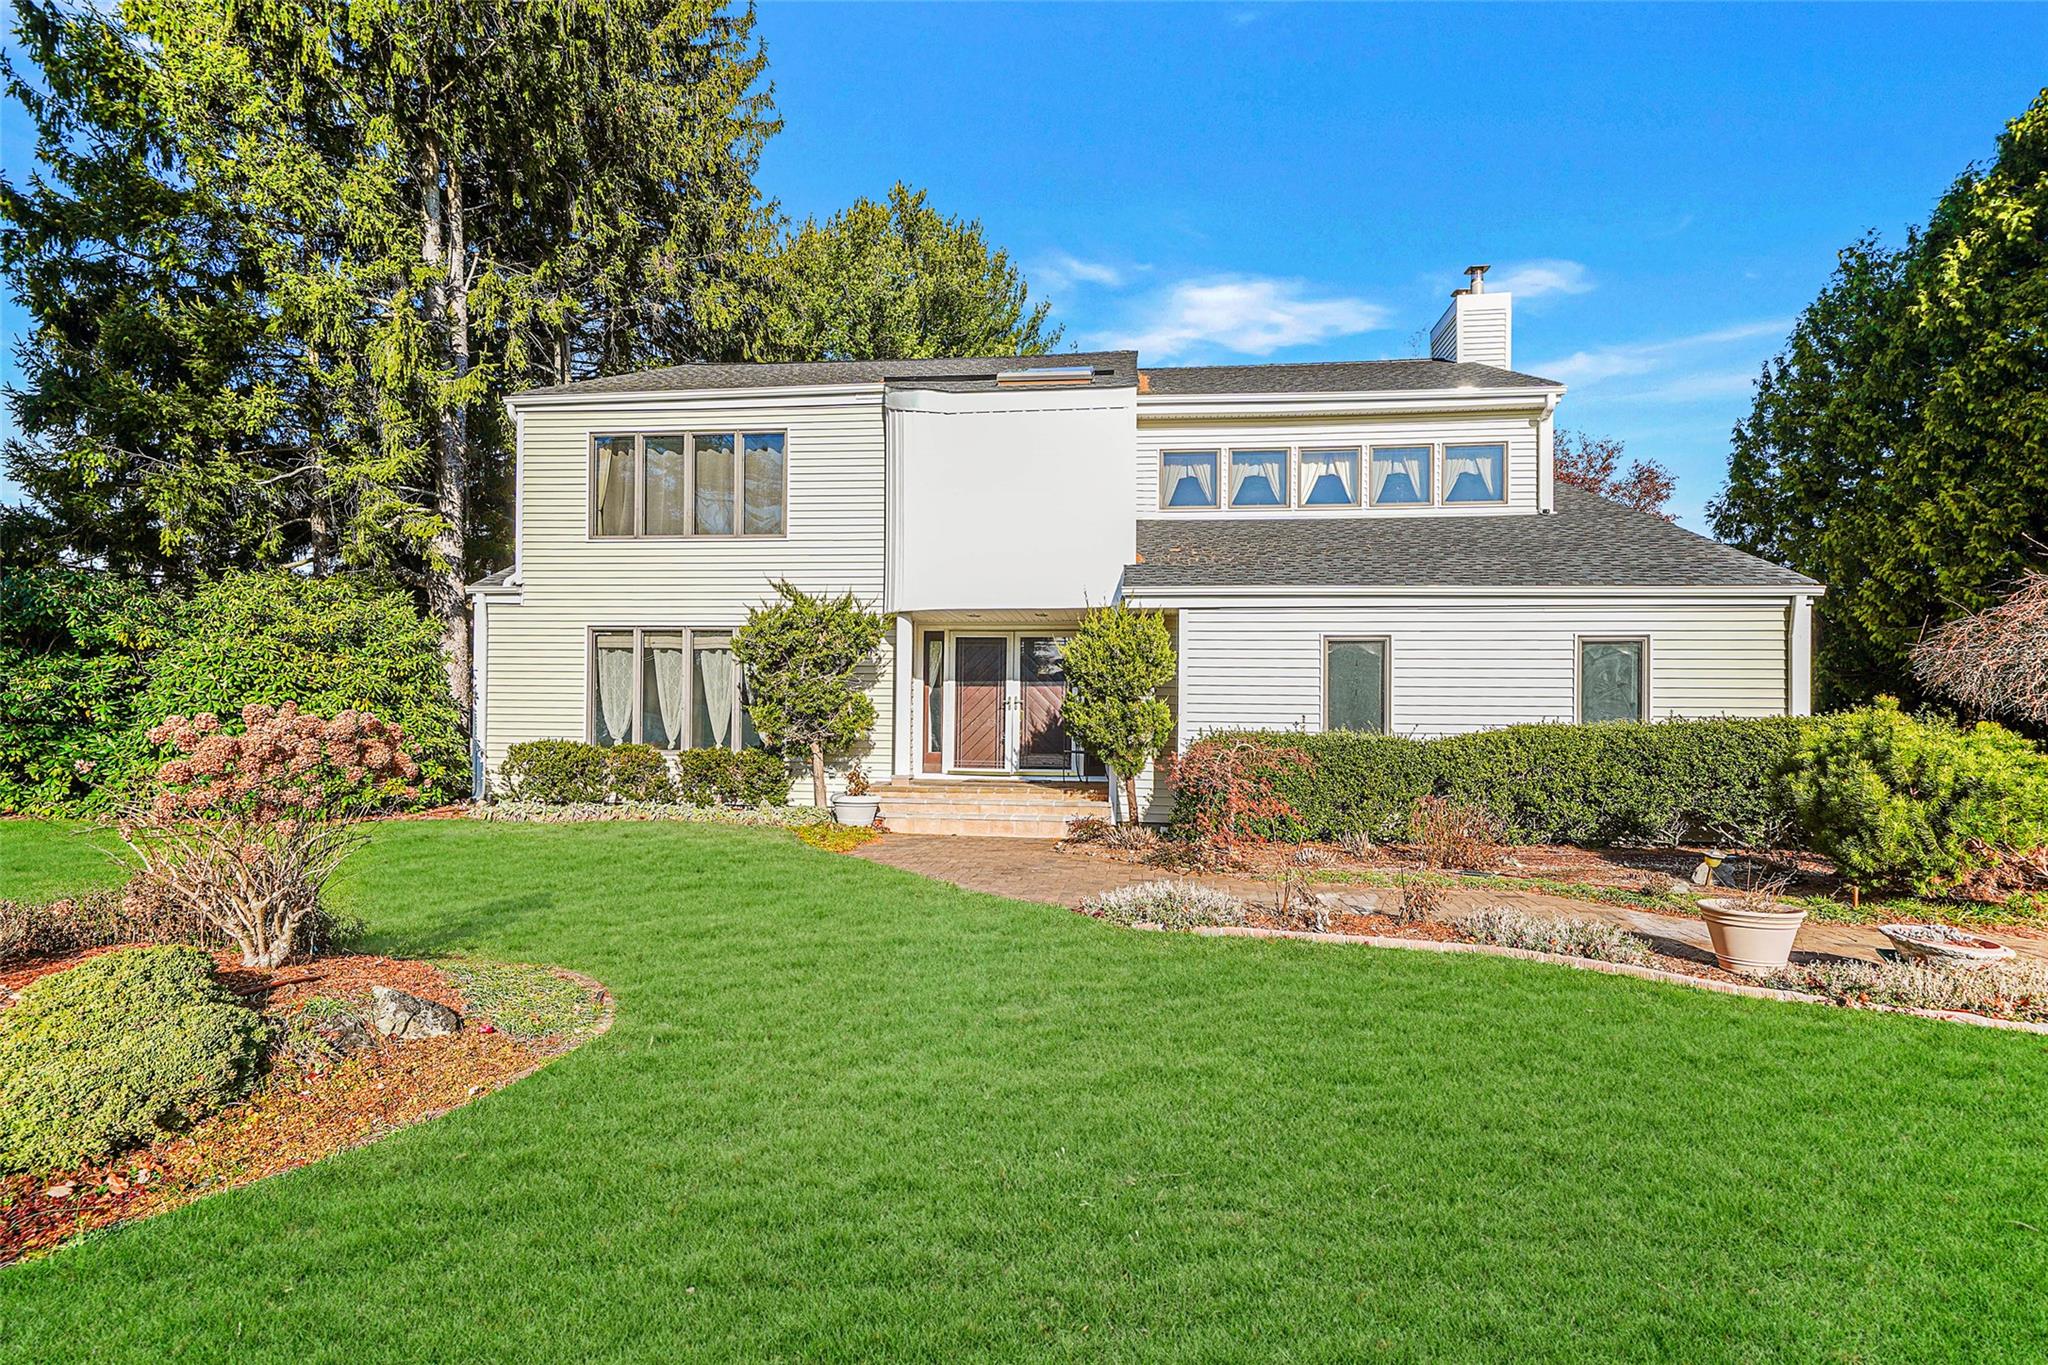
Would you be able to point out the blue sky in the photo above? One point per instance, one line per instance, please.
(1663, 187)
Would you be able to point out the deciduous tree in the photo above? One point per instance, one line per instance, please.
(1594, 464)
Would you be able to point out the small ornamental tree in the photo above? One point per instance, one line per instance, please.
(802, 657)
(1994, 663)
(243, 830)
(1116, 662)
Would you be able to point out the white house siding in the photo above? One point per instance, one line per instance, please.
(537, 664)
(1469, 665)
(1521, 432)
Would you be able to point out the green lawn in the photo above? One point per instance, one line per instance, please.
(846, 1112)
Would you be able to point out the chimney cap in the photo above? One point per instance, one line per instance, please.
(1477, 275)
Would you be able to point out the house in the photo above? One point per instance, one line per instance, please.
(1372, 545)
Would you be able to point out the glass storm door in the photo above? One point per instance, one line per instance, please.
(980, 701)
(1041, 692)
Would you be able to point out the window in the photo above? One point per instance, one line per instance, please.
(1258, 478)
(667, 688)
(1187, 478)
(1401, 475)
(1355, 685)
(711, 484)
(1613, 680)
(1329, 478)
(1475, 473)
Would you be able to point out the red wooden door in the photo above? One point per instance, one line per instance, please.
(978, 668)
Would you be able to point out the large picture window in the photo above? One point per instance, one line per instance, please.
(1355, 685)
(688, 484)
(1475, 473)
(672, 689)
(1613, 680)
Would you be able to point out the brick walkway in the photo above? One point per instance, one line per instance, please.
(1033, 870)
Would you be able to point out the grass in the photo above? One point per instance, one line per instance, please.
(848, 1112)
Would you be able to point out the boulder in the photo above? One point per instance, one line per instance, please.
(404, 1018)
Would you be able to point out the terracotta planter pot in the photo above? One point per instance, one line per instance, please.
(856, 810)
(1753, 942)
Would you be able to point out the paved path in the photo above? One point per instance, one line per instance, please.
(1034, 870)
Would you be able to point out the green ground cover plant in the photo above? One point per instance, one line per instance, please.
(846, 1111)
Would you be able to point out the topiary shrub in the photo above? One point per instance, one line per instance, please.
(638, 772)
(555, 772)
(1921, 803)
(727, 777)
(117, 1051)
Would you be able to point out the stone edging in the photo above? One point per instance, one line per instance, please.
(1585, 964)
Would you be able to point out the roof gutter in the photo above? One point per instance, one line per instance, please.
(1401, 400)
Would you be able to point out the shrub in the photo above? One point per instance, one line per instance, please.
(1595, 939)
(1117, 662)
(744, 777)
(637, 772)
(805, 658)
(1228, 791)
(1091, 829)
(243, 830)
(2007, 990)
(555, 772)
(330, 645)
(1895, 800)
(116, 1051)
(1170, 905)
(99, 918)
(1454, 835)
(1581, 784)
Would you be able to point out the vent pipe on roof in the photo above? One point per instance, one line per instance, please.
(1477, 275)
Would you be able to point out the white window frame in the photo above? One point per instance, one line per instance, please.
(1579, 643)
(1215, 457)
(1443, 464)
(692, 638)
(1386, 644)
(1360, 472)
(1286, 454)
(1429, 481)
(688, 439)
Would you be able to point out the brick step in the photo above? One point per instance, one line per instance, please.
(1049, 810)
(984, 826)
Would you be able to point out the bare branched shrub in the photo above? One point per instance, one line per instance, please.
(1994, 663)
(1422, 900)
(1356, 844)
(1454, 834)
(1297, 906)
(242, 831)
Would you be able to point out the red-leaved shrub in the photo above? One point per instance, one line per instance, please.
(1228, 786)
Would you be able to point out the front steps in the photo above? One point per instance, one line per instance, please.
(1015, 808)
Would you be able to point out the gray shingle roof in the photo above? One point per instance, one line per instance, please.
(1337, 376)
(1114, 369)
(1587, 542)
(501, 578)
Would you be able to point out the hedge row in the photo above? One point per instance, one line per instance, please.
(565, 772)
(1580, 784)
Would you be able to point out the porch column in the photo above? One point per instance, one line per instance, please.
(904, 730)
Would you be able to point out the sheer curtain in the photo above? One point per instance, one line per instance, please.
(715, 485)
(663, 692)
(1190, 479)
(761, 484)
(1329, 478)
(1472, 473)
(614, 689)
(611, 490)
(1400, 474)
(1258, 478)
(667, 513)
(718, 683)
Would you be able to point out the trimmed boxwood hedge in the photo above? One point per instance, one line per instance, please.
(565, 772)
(1578, 784)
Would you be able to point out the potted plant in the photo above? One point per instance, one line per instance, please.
(1753, 928)
(856, 807)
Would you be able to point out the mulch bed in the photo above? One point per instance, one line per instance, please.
(295, 1117)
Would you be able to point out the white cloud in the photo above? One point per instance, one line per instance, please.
(1534, 279)
(1062, 270)
(1669, 357)
(1244, 314)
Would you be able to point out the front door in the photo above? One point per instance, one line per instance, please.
(1041, 692)
(980, 701)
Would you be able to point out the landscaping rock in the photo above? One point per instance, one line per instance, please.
(353, 1036)
(405, 1018)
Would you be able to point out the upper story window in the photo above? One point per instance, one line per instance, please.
(1476, 473)
(1258, 478)
(1401, 476)
(1187, 478)
(698, 484)
(1329, 478)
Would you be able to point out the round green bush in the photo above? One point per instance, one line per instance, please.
(638, 772)
(117, 1051)
(1900, 801)
(554, 772)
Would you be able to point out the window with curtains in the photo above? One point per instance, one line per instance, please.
(1613, 680)
(1355, 685)
(1258, 478)
(723, 483)
(1401, 475)
(673, 689)
(1329, 478)
(1187, 478)
(1475, 473)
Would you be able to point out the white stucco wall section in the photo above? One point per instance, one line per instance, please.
(1458, 665)
(1015, 499)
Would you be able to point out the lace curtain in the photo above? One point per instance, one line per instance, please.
(718, 684)
(614, 690)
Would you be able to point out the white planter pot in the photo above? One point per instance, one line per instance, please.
(856, 810)
(1753, 942)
